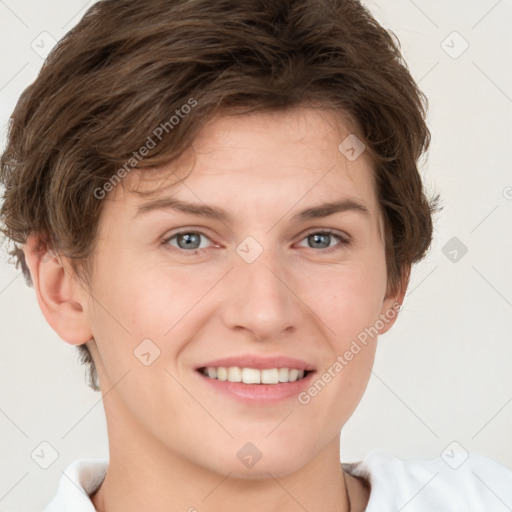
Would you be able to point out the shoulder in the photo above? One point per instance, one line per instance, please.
(451, 482)
(79, 480)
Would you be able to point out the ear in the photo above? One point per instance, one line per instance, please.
(393, 303)
(59, 294)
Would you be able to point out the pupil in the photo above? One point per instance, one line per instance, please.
(317, 238)
(189, 239)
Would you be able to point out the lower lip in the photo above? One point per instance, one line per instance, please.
(259, 393)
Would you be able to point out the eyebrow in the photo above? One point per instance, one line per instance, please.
(214, 212)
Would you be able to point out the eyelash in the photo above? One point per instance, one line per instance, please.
(344, 240)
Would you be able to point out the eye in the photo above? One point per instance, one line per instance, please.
(191, 241)
(188, 241)
(322, 240)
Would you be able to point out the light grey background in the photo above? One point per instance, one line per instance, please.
(442, 374)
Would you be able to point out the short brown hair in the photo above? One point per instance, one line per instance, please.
(129, 65)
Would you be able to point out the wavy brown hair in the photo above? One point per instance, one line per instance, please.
(130, 64)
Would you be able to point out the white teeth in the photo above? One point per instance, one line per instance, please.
(292, 375)
(283, 374)
(270, 376)
(234, 374)
(222, 373)
(253, 375)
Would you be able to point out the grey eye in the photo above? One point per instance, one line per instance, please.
(189, 240)
(319, 240)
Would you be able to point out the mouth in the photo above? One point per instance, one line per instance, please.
(257, 380)
(248, 375)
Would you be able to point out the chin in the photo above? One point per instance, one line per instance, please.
(250, 463)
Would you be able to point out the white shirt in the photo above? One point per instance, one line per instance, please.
(480, 484)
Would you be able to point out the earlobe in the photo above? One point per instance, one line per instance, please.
(393, 303)
(60, 297)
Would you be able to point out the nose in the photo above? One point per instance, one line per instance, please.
(259, 297)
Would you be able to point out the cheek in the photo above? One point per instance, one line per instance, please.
(144, 298)
(137, 302)
(349, 299)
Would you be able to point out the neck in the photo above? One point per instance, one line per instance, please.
(165, 482)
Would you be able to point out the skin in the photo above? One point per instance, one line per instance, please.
(172, 437)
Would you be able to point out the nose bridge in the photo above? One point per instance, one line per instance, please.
(259, 298)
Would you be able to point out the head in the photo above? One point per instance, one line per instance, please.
(262, 111)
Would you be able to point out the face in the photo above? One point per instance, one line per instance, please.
(262, 285)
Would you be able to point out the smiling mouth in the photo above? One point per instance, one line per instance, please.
(254, 375)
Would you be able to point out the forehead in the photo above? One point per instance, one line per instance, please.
(295, 155)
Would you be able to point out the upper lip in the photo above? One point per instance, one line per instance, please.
(259, 362)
